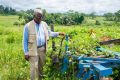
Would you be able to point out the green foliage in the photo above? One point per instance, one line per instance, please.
(10, 39)
(69, 18)
(92, 15)
(97, 22)
(25, 16)
(117, 16)
(116, 74)
(109, 16)
(16, 23)
(7, 10)
(113, 16)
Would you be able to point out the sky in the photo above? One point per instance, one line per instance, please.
(82, 6)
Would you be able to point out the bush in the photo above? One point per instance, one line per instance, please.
(22, 23)
(97, 22)
(10, 39)
(16, 23)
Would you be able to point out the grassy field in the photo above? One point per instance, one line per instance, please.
(13, 66)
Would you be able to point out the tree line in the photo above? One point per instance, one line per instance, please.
(113, 16)
(7, 10)
(68, 18)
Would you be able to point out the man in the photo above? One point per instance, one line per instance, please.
(35, 36)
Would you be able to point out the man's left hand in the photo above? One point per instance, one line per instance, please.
(62, 33)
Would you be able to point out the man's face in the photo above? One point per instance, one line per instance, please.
(38, 17)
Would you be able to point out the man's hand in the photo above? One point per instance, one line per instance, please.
(62, 33)
(27, 57)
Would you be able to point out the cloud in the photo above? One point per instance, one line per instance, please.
(87, 6)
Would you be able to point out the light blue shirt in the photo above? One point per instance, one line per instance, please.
(40, 36)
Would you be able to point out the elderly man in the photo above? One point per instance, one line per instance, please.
(35, 36)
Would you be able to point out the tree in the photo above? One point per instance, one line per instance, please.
(92, 15)
(12, 11)
(1, 9)
(117, 16)
(6, 10)
(109, 16)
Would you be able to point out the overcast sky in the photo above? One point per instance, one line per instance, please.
(87, 6)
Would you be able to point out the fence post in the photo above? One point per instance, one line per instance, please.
(53, 42)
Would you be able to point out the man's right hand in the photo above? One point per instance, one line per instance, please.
(27, 57)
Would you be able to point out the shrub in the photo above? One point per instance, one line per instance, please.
(10, 39)
(16, 23)
(97, 22)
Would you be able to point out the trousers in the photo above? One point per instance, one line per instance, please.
(37, 63)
